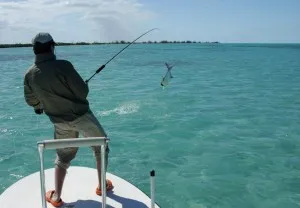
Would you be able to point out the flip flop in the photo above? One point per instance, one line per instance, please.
(109, 187)
(49, 195)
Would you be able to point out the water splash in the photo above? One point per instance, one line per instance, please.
(123, 109)
(16, 176)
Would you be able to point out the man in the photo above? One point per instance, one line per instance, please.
(54, 87)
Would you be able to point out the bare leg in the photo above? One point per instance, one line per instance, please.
(63, 158)
(67, 154)
(60, 174)
(92, 128)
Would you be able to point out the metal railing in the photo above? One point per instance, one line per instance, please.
(78, 142)
(152, 188)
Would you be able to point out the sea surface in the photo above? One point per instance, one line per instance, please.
(223, 134)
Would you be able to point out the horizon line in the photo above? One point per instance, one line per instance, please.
(15, 45)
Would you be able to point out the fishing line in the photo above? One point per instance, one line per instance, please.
(103, 66)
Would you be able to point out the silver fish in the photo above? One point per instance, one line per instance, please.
(168, 76)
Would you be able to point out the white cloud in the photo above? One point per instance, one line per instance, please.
(73, 20)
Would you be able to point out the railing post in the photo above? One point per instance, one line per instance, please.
(42, 174)
(152, 186)
(103, 175)
(71, 142)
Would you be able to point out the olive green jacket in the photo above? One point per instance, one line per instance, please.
(56, 87)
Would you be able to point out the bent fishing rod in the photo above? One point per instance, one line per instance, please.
(103, 66)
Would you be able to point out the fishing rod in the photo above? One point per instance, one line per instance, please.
(103, 66)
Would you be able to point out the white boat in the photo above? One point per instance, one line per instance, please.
(79, 186)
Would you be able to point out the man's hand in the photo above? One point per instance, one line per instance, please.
(39, 111)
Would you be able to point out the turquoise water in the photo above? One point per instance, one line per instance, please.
(223, 134)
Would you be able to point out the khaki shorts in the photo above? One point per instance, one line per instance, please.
(86, 125)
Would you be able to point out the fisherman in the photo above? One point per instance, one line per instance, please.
(54, 87)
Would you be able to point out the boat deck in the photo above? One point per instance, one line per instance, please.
(78, 191)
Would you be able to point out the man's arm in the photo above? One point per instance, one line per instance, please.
(76, 83)
(30, 98)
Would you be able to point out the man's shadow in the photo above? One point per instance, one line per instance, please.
(126, 203)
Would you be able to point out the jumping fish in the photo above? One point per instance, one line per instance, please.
(168, 76)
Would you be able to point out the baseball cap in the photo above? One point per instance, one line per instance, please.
(42, 38)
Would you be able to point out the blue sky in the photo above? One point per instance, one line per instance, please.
(108, 20)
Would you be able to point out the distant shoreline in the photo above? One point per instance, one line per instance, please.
(18, 45)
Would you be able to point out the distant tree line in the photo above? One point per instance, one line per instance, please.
(16, 45)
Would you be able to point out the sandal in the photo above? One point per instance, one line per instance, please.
(49, 195)
(109, 187)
